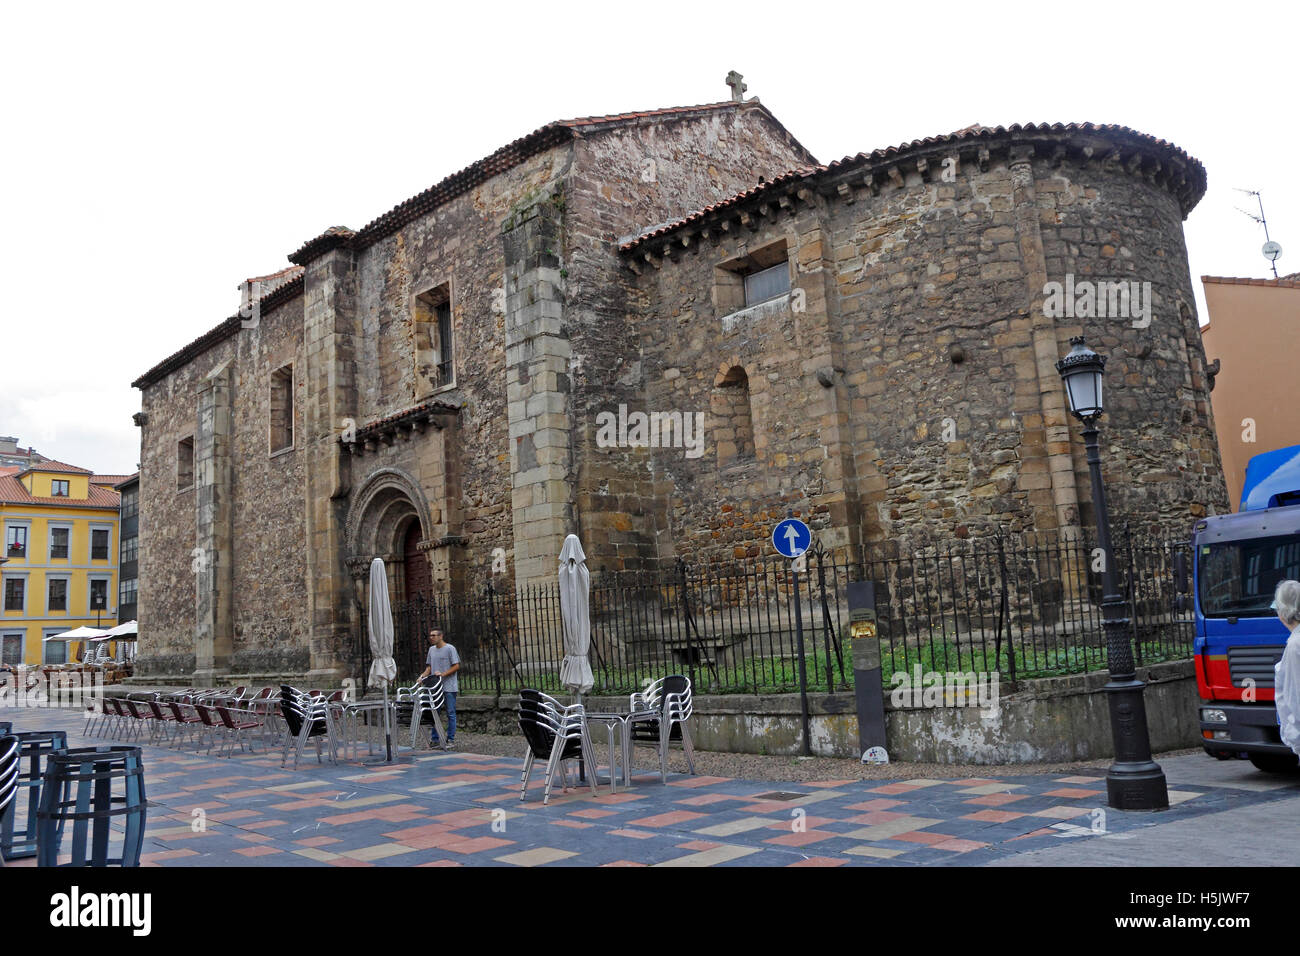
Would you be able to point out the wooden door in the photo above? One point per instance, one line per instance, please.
(416, 564)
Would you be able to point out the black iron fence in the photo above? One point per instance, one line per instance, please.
(1020, 606)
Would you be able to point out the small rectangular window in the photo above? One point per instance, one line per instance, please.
(59, 542)
(130, 549)
(14, 592)
(99, 544)
(282, 409)
(126, 594)
(59, 489)
(58, 594)
(98, 594)
(12, 651)
(767, 284)
(16, 541)
(445, 354)
(435, 352)
(185, 463)
(55, 652)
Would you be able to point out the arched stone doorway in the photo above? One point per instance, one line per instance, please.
(389, 518)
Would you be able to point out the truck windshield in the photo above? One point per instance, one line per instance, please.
(1237, 578)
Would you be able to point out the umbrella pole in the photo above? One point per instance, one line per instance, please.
(388, 733)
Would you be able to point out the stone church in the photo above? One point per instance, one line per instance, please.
(661, 330)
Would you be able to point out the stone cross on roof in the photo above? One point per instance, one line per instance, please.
(738, 86)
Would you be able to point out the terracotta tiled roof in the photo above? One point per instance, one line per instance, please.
(127, 479)
(1190, 192)
(277, 297)
(12, 492)
(1288, 283)
(803, 172)
(423, 412)
(109, 480)
(62, 467)
(6, 470)
(507, 157)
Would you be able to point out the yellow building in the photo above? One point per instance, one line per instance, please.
(60, 558)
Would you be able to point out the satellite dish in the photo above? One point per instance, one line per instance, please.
(1272, 251)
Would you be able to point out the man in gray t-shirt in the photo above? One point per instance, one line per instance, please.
(444, 661)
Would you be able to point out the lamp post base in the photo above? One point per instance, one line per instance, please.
(1134, 781)
(1136, 787)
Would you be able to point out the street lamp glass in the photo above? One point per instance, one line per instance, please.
(1081, 371)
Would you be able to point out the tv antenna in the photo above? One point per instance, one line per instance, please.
(1272, 250)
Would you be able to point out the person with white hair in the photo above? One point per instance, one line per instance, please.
(1286, 673)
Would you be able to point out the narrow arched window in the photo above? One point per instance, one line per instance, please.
(733, 421)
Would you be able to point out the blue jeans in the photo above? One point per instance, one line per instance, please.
(451, 720)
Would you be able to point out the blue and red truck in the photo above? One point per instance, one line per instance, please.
(1237, 561)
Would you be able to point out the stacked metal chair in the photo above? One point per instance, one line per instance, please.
(420, 702)
(8, 775)
(307, 718)
(659, 717)
(555, 733)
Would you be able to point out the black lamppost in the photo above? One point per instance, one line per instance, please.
(1134, 781)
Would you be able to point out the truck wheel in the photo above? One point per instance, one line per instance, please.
(1275, 763)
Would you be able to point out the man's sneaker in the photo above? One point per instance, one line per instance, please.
(451, 745)
(435, 744)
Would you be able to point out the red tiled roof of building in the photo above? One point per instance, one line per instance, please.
(458, 183)
(507, 157)
(6, 470)
(62, 467)
(1191, 193)
(110, 480)
(1289, 282)
(273, 299)
(13, 492)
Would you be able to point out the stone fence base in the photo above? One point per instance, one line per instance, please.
(1051, 719)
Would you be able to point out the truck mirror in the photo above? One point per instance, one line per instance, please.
(1180, 573)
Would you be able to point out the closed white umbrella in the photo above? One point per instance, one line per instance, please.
(575, 583)
(384, 668)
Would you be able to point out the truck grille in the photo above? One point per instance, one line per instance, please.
(1255, 663)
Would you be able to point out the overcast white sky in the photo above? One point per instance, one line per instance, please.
(154, 156)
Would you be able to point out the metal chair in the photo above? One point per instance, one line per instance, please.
(423, 699)
(236, 727)
(9, 766)
(307, 718)
(184, 722)
(659, 717)
(557, 733)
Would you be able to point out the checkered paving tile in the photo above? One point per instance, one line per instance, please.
(436, 809)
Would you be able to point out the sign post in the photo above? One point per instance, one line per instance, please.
(792, 538)
(868, 688)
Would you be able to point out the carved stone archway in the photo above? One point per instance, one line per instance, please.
(379, 518)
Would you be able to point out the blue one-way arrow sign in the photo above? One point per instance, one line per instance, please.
(791, 537)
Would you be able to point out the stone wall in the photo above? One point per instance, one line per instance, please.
(906, 387)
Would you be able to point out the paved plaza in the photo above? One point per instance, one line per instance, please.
(463, 809)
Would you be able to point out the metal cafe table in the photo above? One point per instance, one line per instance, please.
(623, 721)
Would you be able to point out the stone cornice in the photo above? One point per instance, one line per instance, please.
(401, 426)
(868, 174)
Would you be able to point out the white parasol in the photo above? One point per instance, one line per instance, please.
(384, 668)
(575, 583)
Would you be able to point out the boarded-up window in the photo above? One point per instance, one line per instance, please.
(434, 346)
(282, 409)
(732, 421)
(185, 463)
